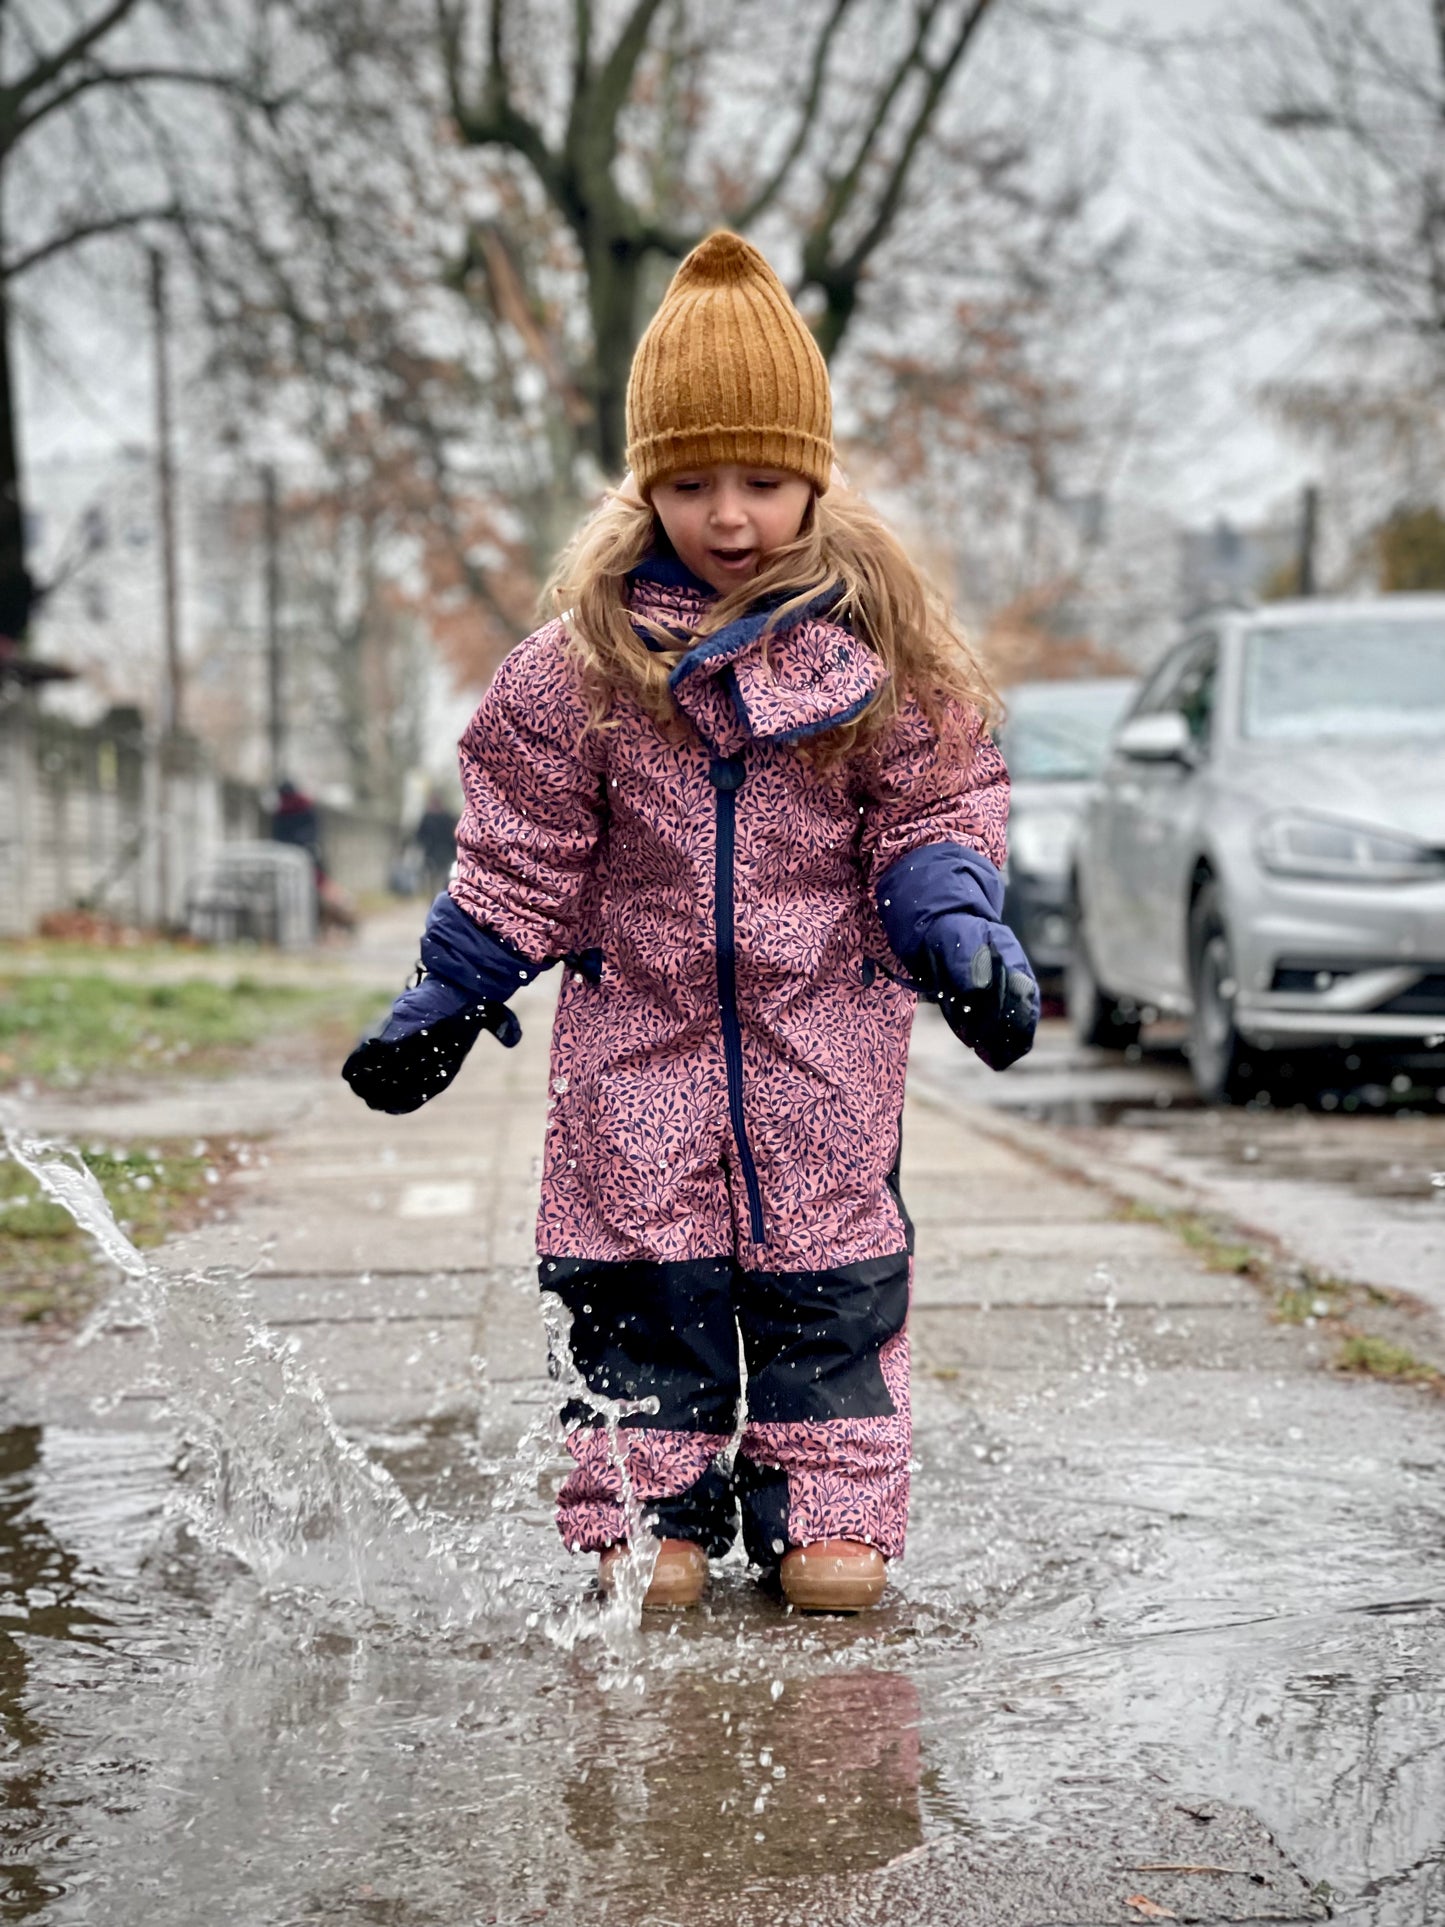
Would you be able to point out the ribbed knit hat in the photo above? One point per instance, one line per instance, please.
(728, 371)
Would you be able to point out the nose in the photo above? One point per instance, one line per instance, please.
(729, 511)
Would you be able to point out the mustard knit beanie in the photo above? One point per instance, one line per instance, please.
(728, 371)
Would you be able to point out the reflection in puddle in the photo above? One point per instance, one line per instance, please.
(1079, 1655)
(313, 1693)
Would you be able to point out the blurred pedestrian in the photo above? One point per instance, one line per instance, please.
(743, 786)
(296, 820)
(435, 837)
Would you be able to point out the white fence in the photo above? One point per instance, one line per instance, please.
(96, 818)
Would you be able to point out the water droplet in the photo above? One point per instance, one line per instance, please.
(776, 1689)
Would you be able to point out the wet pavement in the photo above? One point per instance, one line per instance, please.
(1350, 1181)
(288, 1635)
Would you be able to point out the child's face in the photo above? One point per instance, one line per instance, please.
(724, 520)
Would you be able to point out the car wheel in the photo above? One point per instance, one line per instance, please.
(1220, 1060)
(1098, 1020)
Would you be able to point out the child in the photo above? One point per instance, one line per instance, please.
(741, 787)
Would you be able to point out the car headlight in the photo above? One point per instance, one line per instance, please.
(1041, 843)
(1297, 845)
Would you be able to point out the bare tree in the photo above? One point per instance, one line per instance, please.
(456, 309)
(839, 152)
(1324, 147)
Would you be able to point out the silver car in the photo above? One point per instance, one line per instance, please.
(1265, 853)
(1055, 740)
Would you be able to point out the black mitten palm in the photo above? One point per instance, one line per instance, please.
(991, 1001)
(422, 1046)
(418, 1050)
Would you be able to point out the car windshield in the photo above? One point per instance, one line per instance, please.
(1061, 734)
(1380, 677)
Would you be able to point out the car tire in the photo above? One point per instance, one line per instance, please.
(1222, 1064)
(1098, 1020)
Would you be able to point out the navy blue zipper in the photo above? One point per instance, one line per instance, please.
(726, 776)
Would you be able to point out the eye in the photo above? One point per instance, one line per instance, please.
(687, 486)
(768, 482)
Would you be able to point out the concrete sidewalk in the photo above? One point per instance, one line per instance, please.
(400, 1249)
(1122, 1461)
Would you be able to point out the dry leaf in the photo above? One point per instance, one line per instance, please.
(1150, 1909)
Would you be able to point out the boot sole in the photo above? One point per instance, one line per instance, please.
(823, 1595)
(679, 1585)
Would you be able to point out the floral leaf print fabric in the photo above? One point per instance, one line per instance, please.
(746, 1111)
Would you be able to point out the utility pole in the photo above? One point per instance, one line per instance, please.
(271, 539)
(172, 693)
(173, 708)
(1308, 533)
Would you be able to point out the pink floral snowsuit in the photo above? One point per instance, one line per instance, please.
(727, 1081)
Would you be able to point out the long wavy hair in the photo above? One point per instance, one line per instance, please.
(887, 602)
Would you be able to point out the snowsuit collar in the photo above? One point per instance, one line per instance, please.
(813, 675)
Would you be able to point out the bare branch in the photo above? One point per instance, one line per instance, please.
(80, 231)
(495, 120)
(839, 278)
(449, 41)
(938, 79)
(843, 186)
(94, 77)
(582, 55)
(76, 48)
(812, 99)
(614, 82)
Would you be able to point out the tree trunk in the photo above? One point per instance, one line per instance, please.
(614, 273)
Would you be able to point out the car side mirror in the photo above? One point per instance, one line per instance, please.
(1161, 738)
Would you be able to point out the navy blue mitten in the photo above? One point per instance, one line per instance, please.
(940, 908)
(465, 976)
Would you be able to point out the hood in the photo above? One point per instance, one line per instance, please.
(749, 682)
(1392, 784)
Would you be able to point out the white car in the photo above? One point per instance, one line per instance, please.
(1265, 853)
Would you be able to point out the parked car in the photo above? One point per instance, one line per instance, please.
(1055, 740)
(1265, 852)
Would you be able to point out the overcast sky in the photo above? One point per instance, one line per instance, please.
(93, 391)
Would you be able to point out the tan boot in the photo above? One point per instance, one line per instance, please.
(677, 1579)
(833, 1576)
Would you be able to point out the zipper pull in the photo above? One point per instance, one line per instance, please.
(726, 773)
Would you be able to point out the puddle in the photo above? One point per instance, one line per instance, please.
(186, 1742)
(255, 1671)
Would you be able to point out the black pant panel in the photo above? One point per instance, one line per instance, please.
(812, 1339)
(763, 1496)
(646, 1330)
(706, 1513)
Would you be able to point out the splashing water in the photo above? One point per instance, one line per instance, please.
(268, 1476)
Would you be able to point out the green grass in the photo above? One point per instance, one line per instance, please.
(48, 1268)
(1374, 1357)
(1219, 1253)
(1314, 1298)
(63, 1029)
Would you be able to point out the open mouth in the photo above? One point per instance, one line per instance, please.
(738, 559)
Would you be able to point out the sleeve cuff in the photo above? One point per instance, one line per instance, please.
(471, 959)
(929, 883)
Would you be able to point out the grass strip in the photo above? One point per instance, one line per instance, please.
(49, 1270)
(63, 1029)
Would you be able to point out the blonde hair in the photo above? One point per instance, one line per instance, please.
(889, 604)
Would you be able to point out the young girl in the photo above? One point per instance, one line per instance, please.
(740, 786)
